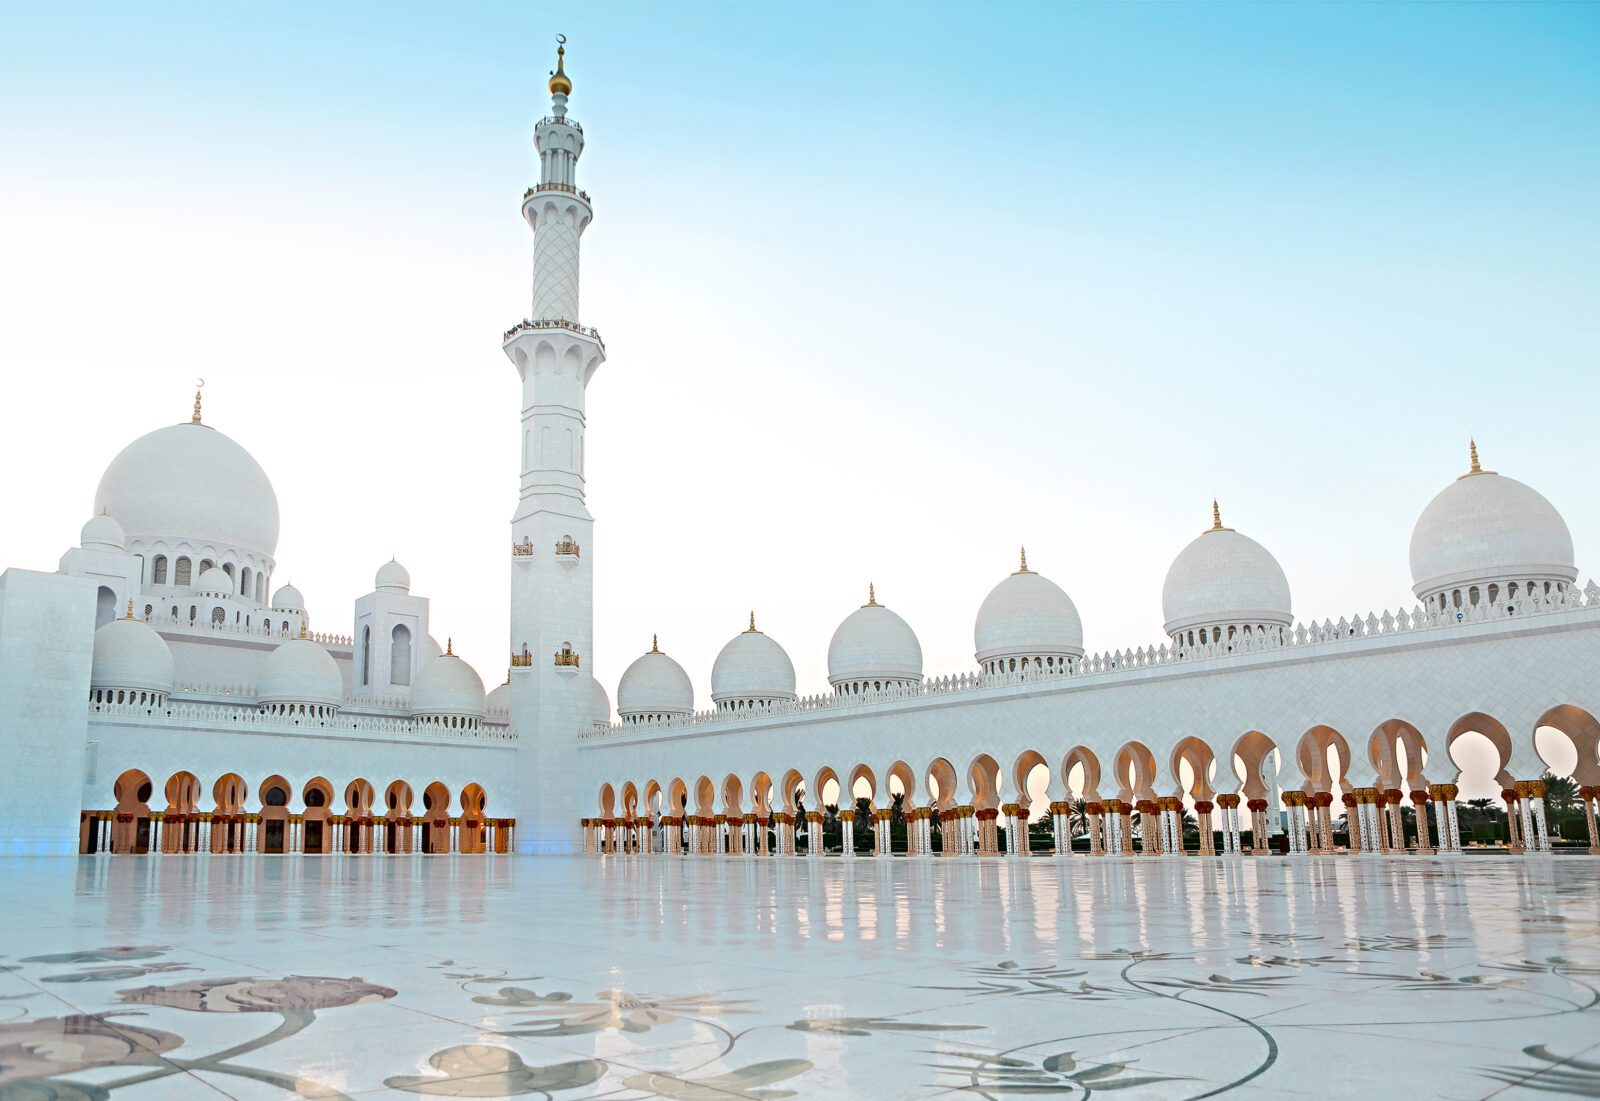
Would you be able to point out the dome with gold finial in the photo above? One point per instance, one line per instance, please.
(653, 688)
(1485, 533)
(448, 692)
(1027, 622)
(560, 83)
(752, 670)
(873, 649)
(1223, 585)
(130, 655)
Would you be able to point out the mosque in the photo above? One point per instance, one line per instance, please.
(163, 693)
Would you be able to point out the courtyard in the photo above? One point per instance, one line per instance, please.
(707, 978)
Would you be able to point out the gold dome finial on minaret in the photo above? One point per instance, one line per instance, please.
(654, 646)
(752, 630)
(198, 386)
(560, 83)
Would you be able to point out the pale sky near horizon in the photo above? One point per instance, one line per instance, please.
(887, 291)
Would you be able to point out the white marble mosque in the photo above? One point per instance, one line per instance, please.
(179, 697)
(1233, 861)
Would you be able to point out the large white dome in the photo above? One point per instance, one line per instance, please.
(300, 671)
(129, 653)
(752, 668)
(448, 686)
(1225, 579)
(189, 482)
(1027, 617)
(874, 647)
(1486, 527)
(654, 685)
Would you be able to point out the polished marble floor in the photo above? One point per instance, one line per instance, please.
(703, 979)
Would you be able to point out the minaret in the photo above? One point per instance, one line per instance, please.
(552, 552)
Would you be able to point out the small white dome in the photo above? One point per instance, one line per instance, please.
(1225, 579)
(392, 577)
(189, 482)
(102, 533)
(499, 700)
(129, 653)
(215, 580)
(654, 685)
(288, 599)
(752, 667)
(300, 671)
(448, 686)
(1027, 616)
(1486, 527)
(601, 701)
(874, 644)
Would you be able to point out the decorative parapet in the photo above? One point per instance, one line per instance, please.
(524, 660)
(567, 188)
(567, 546)
(243, 715)
(566, 657)
(229, 630)
(553, 323)
(1327, 633)
(551, 120)
(523, 549)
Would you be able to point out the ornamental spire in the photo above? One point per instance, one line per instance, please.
(1472, 449)
(130, 609)
(198, 386)
(654, 648)
(752, 630)
(1024, 567)
(872, 596)
(560, 83)
(449, 646)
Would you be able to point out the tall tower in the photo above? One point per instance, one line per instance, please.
(552, 553)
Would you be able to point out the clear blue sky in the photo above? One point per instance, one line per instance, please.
(887, 290)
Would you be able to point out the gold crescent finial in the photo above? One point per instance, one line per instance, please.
(1472, 448)
(654, 646)
(560, 83)
(872, 596)
(752, 629)
(1216, 516)
(449, 647)
(302, 628)
(199, 384)
(1024, 566)
(130, 609)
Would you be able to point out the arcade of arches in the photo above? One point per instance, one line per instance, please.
(177, 821)
(1125, 803)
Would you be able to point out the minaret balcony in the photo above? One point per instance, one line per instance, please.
(529, 326)
(566, 660)
(524, 660)
(551, 120)
(567, 550)
(565, 189)
(523, 550)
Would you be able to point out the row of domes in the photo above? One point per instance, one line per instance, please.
(1482, 530)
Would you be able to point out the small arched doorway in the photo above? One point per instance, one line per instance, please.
(130, 827)
(275, 796)
(436, 808)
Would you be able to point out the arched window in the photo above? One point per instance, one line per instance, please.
(366, 653)
(400, 655)
(182, 573)
(227, 568)
(218, 617)
(266, 625)
(261, 588)
(105, 607)
(159, 576)
(149, 610)
(244, 582)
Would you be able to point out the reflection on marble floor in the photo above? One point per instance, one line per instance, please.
(704, 979)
